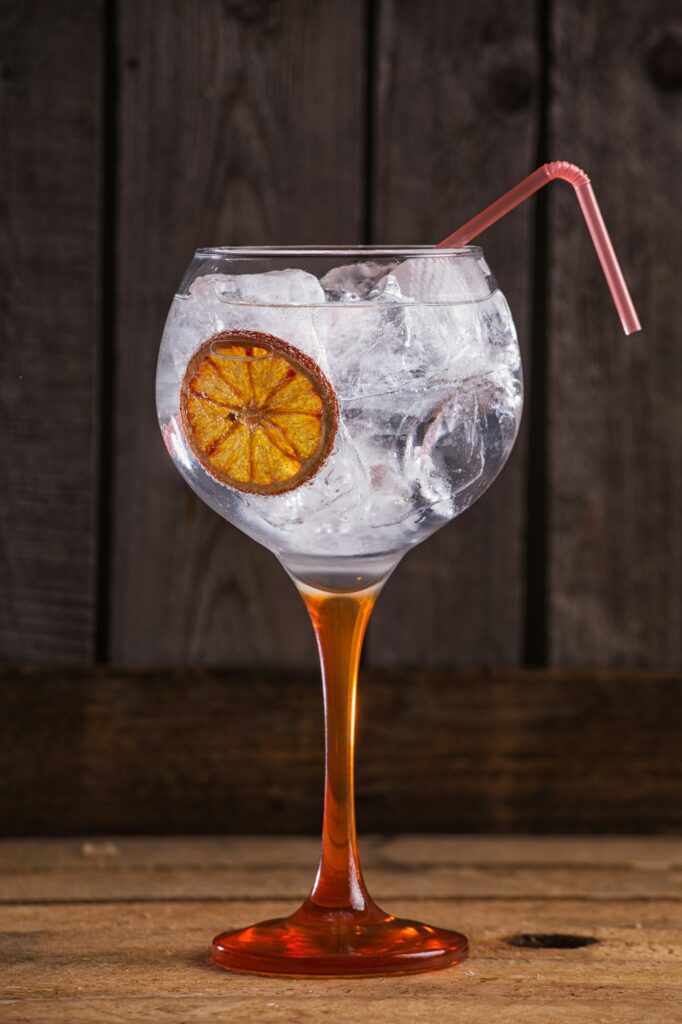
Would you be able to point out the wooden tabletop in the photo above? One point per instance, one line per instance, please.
(111, 930)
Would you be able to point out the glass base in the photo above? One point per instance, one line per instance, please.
(329, 942)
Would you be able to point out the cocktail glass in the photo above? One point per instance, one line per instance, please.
(339, 406)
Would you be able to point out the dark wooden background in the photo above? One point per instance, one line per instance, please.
(133, 131)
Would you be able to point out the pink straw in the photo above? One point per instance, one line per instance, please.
(591, 212)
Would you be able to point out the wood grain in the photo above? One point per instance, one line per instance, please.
(456, 125)
(50, 155)
(66, 961)
(615, 418)
(125, 870)
(199, 751)
(240, 124)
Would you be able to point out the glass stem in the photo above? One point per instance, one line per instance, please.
(339, 621)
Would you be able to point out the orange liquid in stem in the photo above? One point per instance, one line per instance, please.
(339, 621)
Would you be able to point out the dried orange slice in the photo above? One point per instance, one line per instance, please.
(258, 414)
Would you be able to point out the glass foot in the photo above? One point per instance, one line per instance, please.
(329, 942)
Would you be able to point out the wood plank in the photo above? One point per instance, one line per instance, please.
(233, 869)
(376, 1008)
(234, 884)
(240, 124)
(74, 942)
(50, 242)
(457, 110)
(640, 853)
(67, 962)
(616, 403)
(193, 750)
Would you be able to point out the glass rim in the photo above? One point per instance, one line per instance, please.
(390, 251)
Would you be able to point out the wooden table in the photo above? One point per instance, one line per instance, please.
(118, 930)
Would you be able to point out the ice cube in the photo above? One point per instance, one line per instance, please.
(278, 303)
(353, 505)
(319, 514)
(288, 287)
(455, 454)
(437, 278)
(352, 282)
(383, 347)
(364, 345)
(421, 321)
(337, 485)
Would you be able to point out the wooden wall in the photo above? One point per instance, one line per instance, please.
(133, 131)
(186, 750)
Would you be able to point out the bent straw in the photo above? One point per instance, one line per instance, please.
(591, 212)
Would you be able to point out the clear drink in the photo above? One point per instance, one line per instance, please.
(422, 354)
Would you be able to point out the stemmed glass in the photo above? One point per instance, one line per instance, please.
(339, 406)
